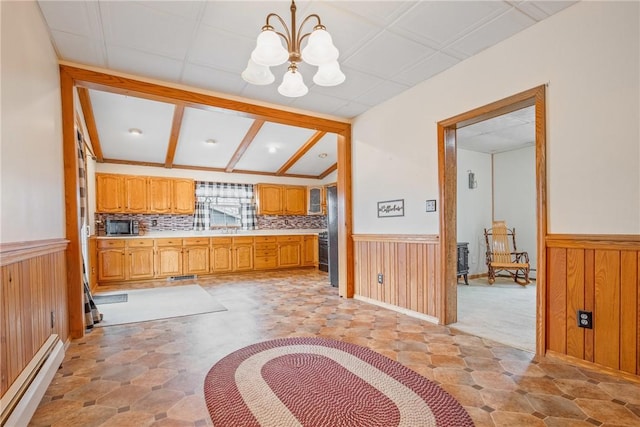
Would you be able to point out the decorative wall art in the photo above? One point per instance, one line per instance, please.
(391, 208)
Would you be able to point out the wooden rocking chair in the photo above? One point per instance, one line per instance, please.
(501, 257)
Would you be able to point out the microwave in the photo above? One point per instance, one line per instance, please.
(122, 227)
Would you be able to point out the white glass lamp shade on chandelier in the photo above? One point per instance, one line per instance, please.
(269, 52)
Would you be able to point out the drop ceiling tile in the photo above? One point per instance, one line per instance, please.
(426, 68)
(286, 140)
(134, 25)
(493, 32)
(187, 9)
(311, 163)
(440, 22)
(381, 13)
(143, 63)
(387, 54)
(213, 79)
(386, 90)
(220, 49)
(552, 7)
(74, 17)
(227, 130)
(351, 109)
(268, 93)
(72, 47)
(116, 114)
(531, 10)
(316, 100)
(356, 84)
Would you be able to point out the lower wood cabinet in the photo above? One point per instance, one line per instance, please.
(140, 259)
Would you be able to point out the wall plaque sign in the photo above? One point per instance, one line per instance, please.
(390, 208)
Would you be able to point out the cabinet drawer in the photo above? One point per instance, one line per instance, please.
(237, 240)
(169, 242)
(108, 243)
(265, 252)
(265, 239)
(139, 243)
(266, 246)
(200, 241)
(289, 238)
(221, 240)
(265, 262)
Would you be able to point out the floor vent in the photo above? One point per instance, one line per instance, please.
(185, 277)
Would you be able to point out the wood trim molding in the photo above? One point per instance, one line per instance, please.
(301, 152)
(176, 124)
(246, 141)
(90, 121)
(21, 251)
(330, 169)
(554, 355)
(594, 241)
(397, 238)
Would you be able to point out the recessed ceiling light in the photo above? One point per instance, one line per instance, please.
(135, 131)
(322, 155)
(272, 149)
(211, 141)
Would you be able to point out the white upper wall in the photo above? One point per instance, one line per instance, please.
(589, 54)
(32, 177)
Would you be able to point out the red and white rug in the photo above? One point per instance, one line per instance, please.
(321, 382)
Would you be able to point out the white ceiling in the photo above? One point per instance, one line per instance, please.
(385, 48)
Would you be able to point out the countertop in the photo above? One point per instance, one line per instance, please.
(217, 233)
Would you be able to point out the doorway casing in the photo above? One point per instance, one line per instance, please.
(447, 180)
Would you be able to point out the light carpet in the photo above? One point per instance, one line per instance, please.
(144, 305)
(324, 382)
(504, 312)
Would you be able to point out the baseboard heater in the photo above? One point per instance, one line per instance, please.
(21, 400)
(185, 277)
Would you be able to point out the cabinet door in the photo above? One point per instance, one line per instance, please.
(159, 195)
(139, 263)
(196, 260)
(243, 257)
(183, 196)
(111, 265)
(295, 200)
(109, 193)
(221, 259)
(315, 196)
(135, 194)
(289, 254)
(310, 251)
(269, 199)
(168, 261)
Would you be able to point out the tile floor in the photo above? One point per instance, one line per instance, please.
(151, 374)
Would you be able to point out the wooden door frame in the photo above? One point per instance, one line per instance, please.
(447, 179)
(73, 75)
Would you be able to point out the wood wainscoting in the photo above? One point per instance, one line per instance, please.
(33, 303)
(409, 265)
(600, 274)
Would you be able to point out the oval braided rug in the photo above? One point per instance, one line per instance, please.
(321, 382)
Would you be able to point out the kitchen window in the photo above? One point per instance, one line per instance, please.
(224, 205)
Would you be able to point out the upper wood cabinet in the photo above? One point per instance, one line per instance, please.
(142, 194)
(316, 204)
(274, 199)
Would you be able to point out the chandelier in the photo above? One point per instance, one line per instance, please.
(269, 52)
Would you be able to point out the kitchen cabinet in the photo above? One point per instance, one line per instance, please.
(221, 255)
(273, 199)
(196, 255)
(242, 248)
(310, 250)
(109, 193)
(183, 196)
(289, 251)
(135, 194)
(316, 204)
(265, 253)
(168, 260)
(160, 201)
(139, 260)
(295, 200)
(111, 260)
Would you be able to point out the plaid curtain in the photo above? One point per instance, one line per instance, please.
(91, 313)
(206, 191)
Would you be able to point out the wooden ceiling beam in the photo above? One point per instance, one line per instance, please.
(246, 141)
(328, 171)
(90, 121)
(178, 114)
(301, 152)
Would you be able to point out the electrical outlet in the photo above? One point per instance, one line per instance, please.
(380, 278)
(585, 319)
(154, 222)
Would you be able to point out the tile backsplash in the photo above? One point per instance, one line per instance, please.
(185, 222)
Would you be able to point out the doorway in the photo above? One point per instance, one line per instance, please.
(496, 182)
(447, 174)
